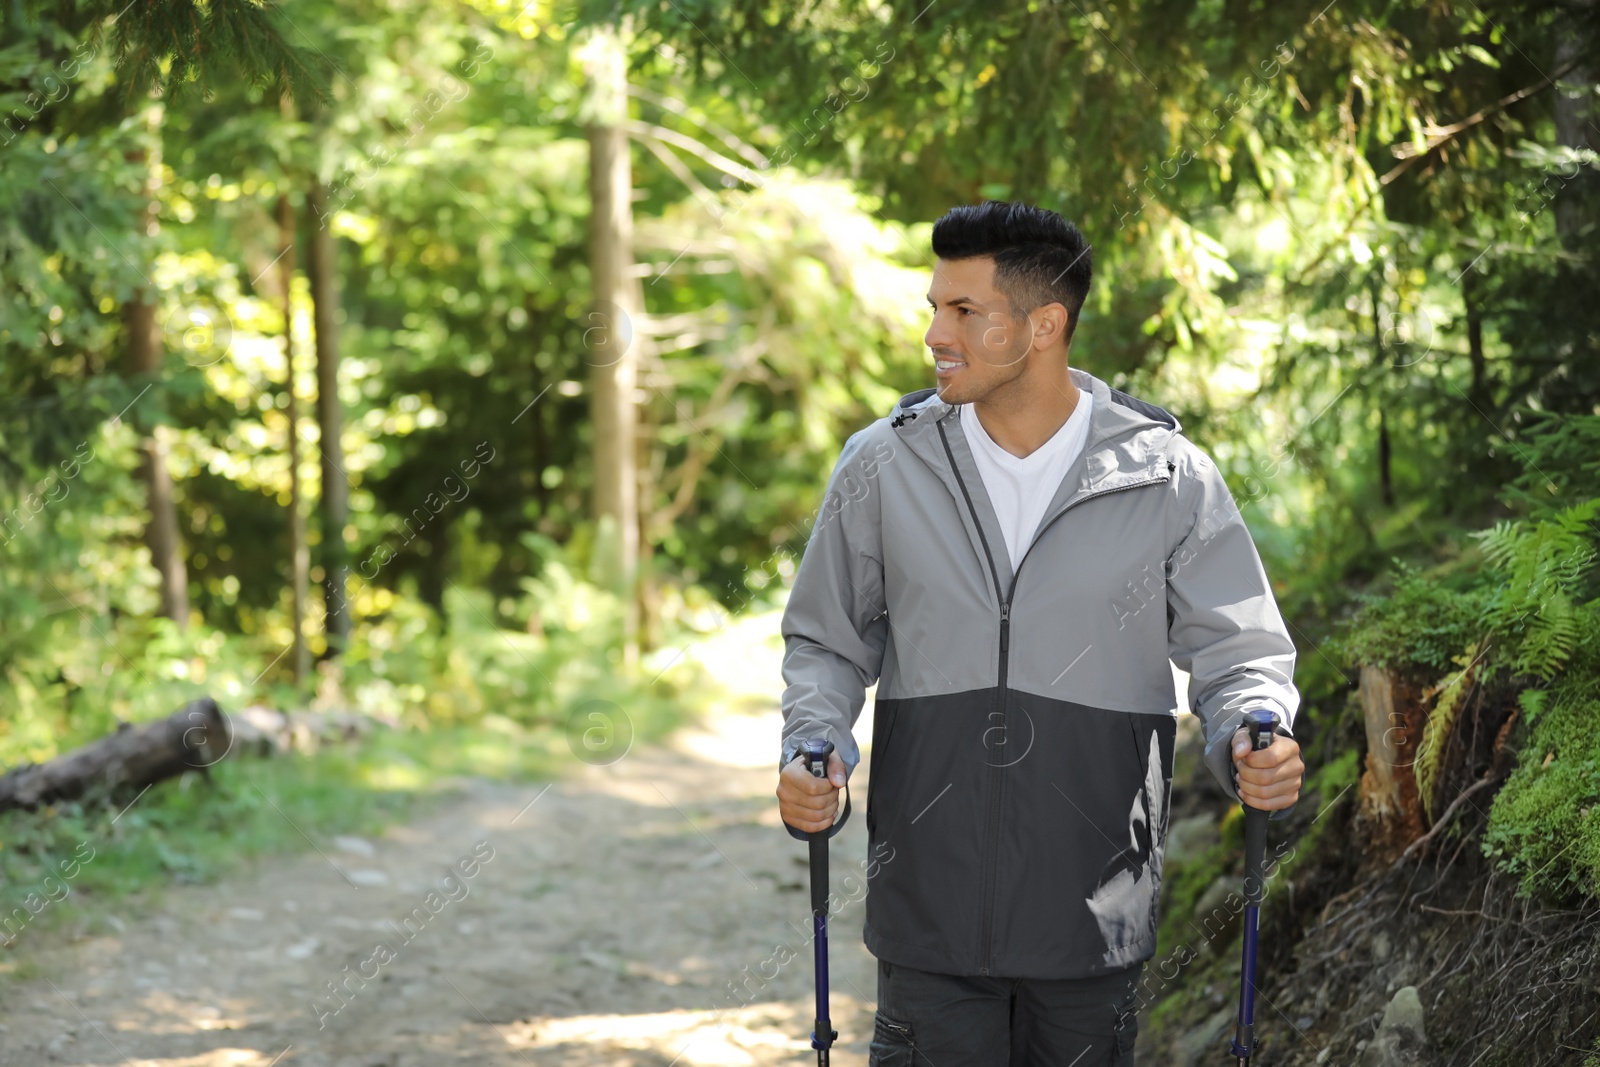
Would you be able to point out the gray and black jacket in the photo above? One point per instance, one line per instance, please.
(1023, 734)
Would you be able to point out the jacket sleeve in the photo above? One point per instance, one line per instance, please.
(835, 624)
(1223, 624)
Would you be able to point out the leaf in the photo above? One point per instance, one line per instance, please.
(1441, 721)
(1532, 702)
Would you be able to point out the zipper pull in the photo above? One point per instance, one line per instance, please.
(1005, 627)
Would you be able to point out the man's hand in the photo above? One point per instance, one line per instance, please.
(807, 803)
(1269, 779)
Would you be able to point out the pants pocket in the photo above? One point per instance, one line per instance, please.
(893, 1043)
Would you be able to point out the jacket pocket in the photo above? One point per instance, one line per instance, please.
(893, 1043)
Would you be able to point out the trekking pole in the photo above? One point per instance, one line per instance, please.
(1262, 724)
(816, 753)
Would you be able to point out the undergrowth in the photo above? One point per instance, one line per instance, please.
(81, 861)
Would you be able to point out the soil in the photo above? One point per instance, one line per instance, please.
(648, 912)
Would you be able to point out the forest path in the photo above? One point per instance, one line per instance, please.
(621, 908)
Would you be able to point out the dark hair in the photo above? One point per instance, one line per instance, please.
(1039, 257)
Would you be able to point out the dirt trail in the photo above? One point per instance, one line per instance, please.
(621, 908)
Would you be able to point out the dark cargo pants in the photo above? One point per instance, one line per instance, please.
(941, 1020)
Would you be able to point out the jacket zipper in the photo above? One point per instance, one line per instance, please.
(990, 865)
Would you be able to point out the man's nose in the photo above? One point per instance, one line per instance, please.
(937, 336)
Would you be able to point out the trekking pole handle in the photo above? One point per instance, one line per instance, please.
(1262, 724)
(816, 752)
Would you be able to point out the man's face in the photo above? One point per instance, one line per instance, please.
(977, 346)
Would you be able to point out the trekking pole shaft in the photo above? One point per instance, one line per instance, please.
(819, 922)
(1255, 851)
(1261, 726)
(822, 1034)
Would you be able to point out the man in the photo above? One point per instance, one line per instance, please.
(1014, 556)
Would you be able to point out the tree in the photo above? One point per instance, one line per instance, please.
(322, 274)
(159, 49)
(616, 307)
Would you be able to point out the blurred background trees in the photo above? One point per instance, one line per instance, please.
(582, 301)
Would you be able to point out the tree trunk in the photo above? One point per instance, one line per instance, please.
(321, 267)
(612, 333)
(1390, 809)
(1385, 464)
(1479, 389)
(1574, 113)
(1385, 460)
(299, 557)
(648, 587)
(191, 738)
(144, 360)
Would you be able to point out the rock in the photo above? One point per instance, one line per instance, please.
(1404, 1012)
(1380, 946)
(1204, 1042)
(1188, 838)
(250, 915)
(1401, 1040)
(368, 878)
(1217, 912)
(303, 949)
(358, 846)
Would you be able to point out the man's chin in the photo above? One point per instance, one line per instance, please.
(953, 393)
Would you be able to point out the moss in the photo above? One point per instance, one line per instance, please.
(1418, 627)
(1545, 822)
(1182, 887)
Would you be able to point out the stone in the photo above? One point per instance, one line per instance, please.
(1206, 1041)
(1216, 913)
(1188, 838)
(1380, 946)
(356, 846)
(1401, 1040)
(1404, 1012)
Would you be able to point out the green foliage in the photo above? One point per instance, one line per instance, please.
(1442, 716)
(193, 829)
(1561, 462)
(1419, 626)
(1541, 563)
(1545, 822)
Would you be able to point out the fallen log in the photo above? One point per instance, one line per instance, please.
(191, 738)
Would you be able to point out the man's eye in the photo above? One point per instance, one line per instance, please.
(966, 311)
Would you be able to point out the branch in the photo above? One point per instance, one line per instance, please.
(677, 107)
(679, 170)
(697, 460)
(1438, 135)
(648, 131)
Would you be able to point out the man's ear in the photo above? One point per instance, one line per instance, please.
(1054, 321)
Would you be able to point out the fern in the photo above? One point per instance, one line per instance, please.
(1542, 564)
(1452, 695)
(1532, 702)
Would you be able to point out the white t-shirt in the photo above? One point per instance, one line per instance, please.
(1021, 488)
